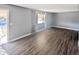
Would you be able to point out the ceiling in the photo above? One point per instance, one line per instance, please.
(52, 7)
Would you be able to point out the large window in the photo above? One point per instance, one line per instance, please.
(4, 14)
(40, 17)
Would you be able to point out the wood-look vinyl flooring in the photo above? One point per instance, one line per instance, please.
(53, 41)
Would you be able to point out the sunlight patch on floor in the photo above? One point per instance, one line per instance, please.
(3, 36)
(2, 51)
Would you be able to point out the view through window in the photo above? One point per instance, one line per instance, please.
(41, 17)
(3, 25)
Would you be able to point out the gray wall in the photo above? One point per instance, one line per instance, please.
(23, 20)
(39, 27)
(69, 20)
(48, 22)
(20, 21)
(50, 19)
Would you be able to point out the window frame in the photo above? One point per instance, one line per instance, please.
(40, 14)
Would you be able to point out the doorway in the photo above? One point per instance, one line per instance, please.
(4, 25)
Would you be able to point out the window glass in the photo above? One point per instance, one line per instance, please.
(41, 17)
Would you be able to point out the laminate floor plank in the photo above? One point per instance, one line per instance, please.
(53, 41)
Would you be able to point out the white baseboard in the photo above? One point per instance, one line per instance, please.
(26, 35)
(20, 37)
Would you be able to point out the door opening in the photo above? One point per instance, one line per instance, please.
(3, 26)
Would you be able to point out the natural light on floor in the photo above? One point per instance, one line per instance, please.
(2, 51)
(3, 35)
(3, 39)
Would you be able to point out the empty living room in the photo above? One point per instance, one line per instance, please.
(39, 29)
